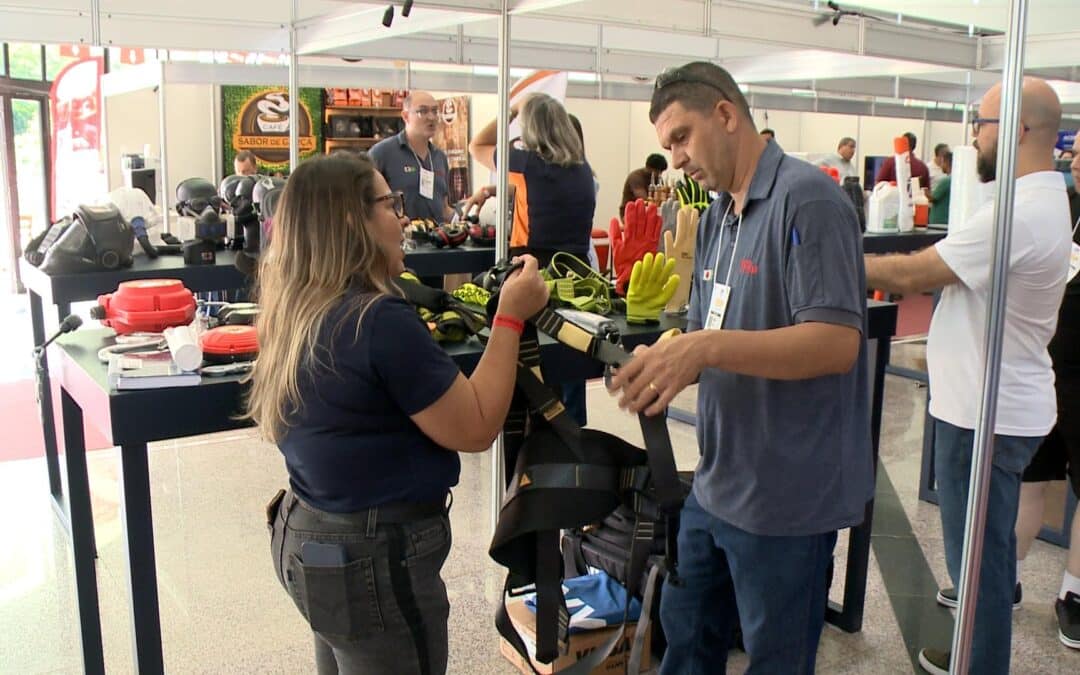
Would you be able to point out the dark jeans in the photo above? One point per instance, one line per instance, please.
(953, 449)
(385, 609)
(780, 585)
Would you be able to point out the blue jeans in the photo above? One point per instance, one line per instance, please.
(780, 585)
(953, 449)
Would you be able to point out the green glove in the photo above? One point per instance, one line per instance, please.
(680, 248)
(652, 283)
(691, 193)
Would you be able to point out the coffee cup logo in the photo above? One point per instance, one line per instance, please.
(273, 113)
(263, 127)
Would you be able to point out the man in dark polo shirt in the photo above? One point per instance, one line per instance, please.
(412, 164)
(776, 344)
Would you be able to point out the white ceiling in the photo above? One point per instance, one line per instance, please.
(925, 53)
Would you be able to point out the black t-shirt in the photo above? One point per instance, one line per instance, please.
(352, 445)
(553, 206)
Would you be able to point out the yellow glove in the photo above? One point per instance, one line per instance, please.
(680, 248)
(652, 283)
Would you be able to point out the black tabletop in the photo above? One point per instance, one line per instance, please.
(68, 288)
(901, 242)
(223, 275)
(429, 261)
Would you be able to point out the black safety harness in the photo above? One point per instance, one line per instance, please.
(566, 477)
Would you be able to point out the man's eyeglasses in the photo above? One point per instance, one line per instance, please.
(397, 200)
(426, 111)
(978, 122)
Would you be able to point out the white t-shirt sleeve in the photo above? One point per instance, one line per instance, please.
(968, 250)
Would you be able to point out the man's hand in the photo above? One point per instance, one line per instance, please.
(658, 373)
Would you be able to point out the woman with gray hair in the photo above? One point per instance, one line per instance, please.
(554, 195)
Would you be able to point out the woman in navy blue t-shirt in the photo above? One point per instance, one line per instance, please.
(369, 413)
(554, 193)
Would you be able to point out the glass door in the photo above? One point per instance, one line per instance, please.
(24, 162)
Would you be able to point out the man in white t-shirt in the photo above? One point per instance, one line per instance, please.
(1026, 408)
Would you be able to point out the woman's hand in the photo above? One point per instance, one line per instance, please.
(478, 198)
(524, 292)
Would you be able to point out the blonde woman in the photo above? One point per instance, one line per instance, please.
(554, 196)
(369, 414)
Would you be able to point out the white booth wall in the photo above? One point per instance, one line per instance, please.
(132, 122)
(618, 135)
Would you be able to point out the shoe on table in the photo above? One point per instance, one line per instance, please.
(946, 597)
(1068, 616)
(934, 661)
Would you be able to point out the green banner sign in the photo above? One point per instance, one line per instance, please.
(257, 119)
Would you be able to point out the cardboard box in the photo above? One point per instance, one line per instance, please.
(337, 96)
(580, 644)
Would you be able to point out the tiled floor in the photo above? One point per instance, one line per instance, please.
(223, 611)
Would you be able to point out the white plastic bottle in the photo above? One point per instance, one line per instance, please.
(905, 217)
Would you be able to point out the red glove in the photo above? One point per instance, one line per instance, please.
(638, 234)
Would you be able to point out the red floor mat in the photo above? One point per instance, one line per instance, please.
(21, 422)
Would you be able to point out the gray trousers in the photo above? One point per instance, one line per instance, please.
(379, 605)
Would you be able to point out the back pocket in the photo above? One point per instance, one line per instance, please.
(340, 600)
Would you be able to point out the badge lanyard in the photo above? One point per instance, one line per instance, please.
(427, 176)
(721, 292)
(1074, 257)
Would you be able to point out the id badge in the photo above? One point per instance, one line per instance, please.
(718, 304)
(427, 183)
(1074, 262)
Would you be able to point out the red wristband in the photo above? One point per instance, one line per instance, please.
(509, 322)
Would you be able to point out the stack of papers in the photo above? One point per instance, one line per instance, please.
(152, 371)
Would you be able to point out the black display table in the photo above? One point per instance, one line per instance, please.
(214, 405)
(901, 242)
(428, 261)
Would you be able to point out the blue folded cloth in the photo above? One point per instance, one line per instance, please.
(594, 601)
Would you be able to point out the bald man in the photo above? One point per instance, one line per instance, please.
(411, 163)
(961, 264)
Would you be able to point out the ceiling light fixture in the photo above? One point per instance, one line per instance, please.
(388, 16)
(406, 7)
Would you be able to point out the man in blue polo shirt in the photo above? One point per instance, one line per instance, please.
(776, 343)
(412, 164)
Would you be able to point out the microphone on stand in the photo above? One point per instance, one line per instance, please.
(71, 322)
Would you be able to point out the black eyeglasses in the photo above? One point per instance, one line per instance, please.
(397, 200)
(977, 122)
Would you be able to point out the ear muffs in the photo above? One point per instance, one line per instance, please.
(482, 235)
(450, 234)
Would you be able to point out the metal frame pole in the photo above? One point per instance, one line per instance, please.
(502, 241)
(294, 92)
(163, 152)
(964, 139)
(981, 466)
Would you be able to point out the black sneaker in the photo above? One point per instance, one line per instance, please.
(934, 661)
(946, 597)
(1068, 616)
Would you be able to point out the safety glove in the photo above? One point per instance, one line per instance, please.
(669, 211)
(652, 283)
(638, 234)
(680, 248)
(691, 193)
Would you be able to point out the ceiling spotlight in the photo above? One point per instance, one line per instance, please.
(406, 7)
(388, 16)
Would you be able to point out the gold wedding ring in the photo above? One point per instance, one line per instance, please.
(653, 387)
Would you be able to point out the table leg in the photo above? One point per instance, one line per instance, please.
(82, 535)
(45, 402)
(138, 527)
